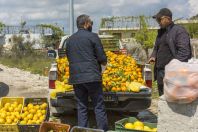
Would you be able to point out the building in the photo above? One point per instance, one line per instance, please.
(29, 33)
(125, 27)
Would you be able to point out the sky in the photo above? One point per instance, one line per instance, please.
(57, 11)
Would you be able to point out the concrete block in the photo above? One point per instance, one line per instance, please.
(173, 117)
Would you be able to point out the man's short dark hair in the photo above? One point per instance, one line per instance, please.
(81, 20)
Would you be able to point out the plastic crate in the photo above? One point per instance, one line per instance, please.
(47, 126)
(82, 129)
(10, 127)
(119, 125)
(34, 127)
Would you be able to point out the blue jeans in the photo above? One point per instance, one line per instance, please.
(94, 91)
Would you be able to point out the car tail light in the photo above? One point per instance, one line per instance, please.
(148, 75)
(53, 76)
(52, 84)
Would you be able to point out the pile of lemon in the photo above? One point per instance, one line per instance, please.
(10, 113)
(138, 125)
(33, 114)
(61, 87)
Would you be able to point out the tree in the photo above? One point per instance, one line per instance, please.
(192, 29)
(20, 47)
(146, 37)
(54, 39)
(1, 26)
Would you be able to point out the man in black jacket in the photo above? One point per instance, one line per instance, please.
(86, 55)
(172, 42)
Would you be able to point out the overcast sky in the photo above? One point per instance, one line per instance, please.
(57, 11)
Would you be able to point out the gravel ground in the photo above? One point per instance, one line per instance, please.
(15, 82)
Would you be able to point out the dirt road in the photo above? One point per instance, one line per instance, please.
(15, 82)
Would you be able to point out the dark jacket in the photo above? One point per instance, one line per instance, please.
(178, 41)
(85, 55)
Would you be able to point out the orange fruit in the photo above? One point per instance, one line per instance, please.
(138, 70)
(113, 89)
(124, 89)
(118, 89)
(132, 78)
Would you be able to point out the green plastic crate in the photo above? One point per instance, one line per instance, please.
(119, 125)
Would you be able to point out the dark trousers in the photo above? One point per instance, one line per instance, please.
(160, 83)
(94, 91)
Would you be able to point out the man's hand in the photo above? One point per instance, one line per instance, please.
(151, 60)
(104, 63)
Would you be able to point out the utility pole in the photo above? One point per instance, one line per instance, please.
(71, 17)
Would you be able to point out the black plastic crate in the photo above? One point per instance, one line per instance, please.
(82, 129)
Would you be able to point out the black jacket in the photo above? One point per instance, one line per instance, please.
(85, 55)
(178, 41)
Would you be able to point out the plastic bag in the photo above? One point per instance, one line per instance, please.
(181, 82)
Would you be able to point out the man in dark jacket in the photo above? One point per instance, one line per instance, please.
(172, 42)
(86, 55)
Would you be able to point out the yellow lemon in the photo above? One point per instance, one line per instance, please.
(17, 109)
(138, 123)
(42, 118)
(15, 120)
(10, 109)
(146, 128)
(8, 121)
(7, 105)
(37, 107)
(23, 116)
(39, 114)
(30, 116)
(29, 122)
(23, 122)
(12, 117)
(35, 117)
(26, 113)
(2, 121)
(129, 126)
(38, 122)
(139, 128)
(25, 119)
(32, 111)
(43, 112)
(39, 111)
(135, 89)
(33, 121)
(30, 106)
(154, 130)
(3, 115)
(25, 109)
(43, 106)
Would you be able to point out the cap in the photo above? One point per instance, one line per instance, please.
(163, 12)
